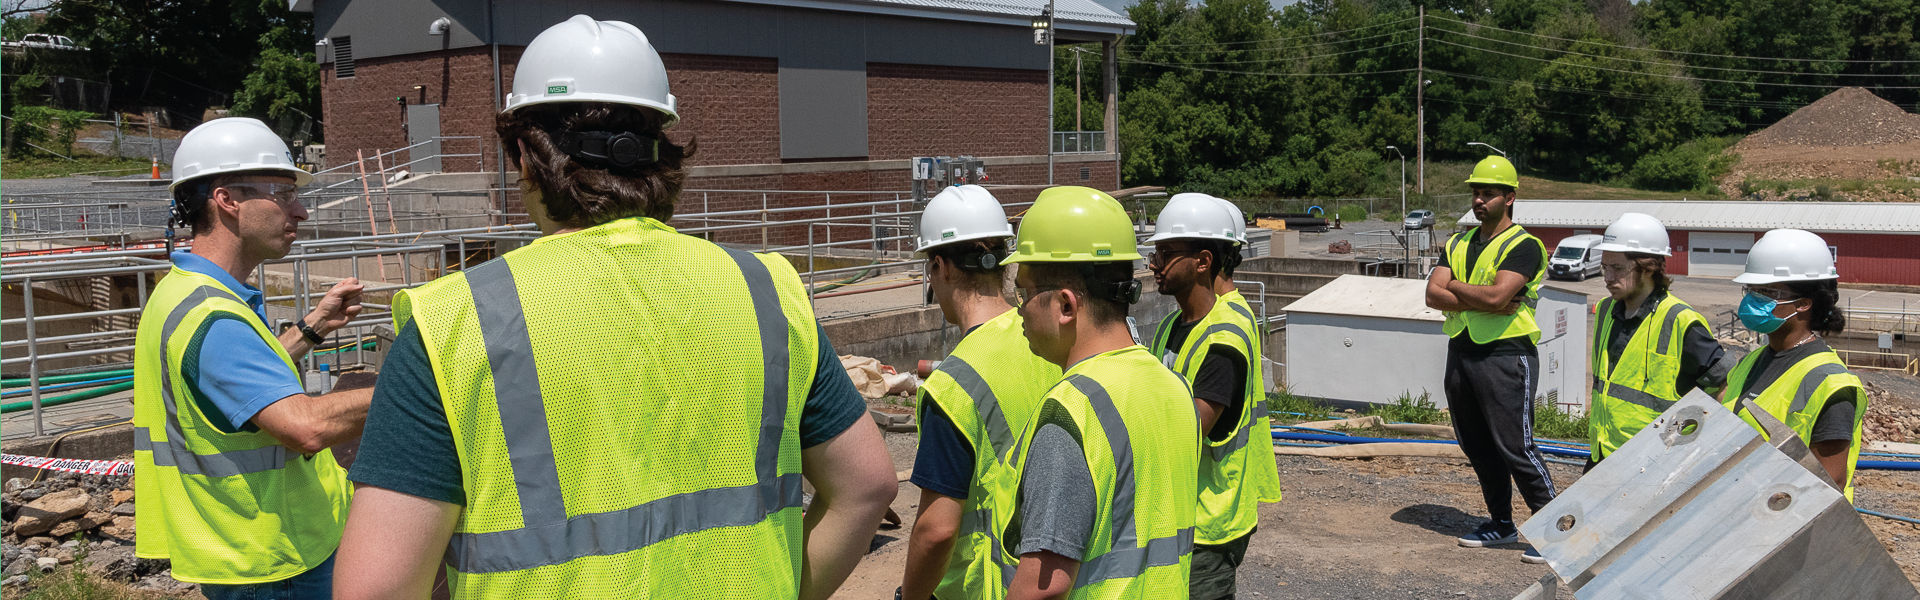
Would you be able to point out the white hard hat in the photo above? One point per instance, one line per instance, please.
(232, 145)
(583, 60)
(1788, 255)
(961, 213)
(1193, 216)
(1636, 232)
(1239, 219)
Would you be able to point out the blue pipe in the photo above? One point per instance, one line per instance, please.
(1888, 465)
(64, 386)
(1887, 516)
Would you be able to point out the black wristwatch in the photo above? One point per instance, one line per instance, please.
(313, 337)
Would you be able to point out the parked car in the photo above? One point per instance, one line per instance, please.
(1576, 258)
(1419, 219)
(44, 41)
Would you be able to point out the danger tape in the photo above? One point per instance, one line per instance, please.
(115, 468)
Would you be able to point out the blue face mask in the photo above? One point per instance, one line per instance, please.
(1756, 312)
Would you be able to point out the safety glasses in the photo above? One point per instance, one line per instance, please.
(1770, 293)
(1026, 294)
(1159, 258)
(284, 193)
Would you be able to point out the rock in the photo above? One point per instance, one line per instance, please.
(123, 508)
(118, 497)
(70, 545)
(31, 494)
(85, 523)
(16, 484)
(115, 563)
(42, 542)
(63, 556)
(18, 566)
(41, 515)
(46, 563)
(14, 582)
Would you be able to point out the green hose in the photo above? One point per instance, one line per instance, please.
(49, 379)
(74, 397)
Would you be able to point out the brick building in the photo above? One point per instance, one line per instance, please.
(828, 95)
(1872, 242)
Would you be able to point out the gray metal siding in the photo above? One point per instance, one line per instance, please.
(396, 27)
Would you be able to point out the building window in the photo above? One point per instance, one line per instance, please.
(343, 57)
(1086, 173)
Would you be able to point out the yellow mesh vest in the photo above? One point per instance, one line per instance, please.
(1136, 424)
(988, 388)
(225, 508)
(625, 401)
(1237, 473)
(1797, 397)
(1643, 384)
(1487, 327)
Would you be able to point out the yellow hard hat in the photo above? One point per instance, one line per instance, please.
(1074, 224)
(1495, 170)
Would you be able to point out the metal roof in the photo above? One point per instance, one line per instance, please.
(1723, 215)
(1069, 15)
(1363, 296)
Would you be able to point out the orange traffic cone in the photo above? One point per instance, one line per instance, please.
(156, 167)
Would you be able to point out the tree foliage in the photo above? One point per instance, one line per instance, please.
(1235, 97)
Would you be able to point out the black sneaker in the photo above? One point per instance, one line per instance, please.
(1533, 557)
(1491, 533)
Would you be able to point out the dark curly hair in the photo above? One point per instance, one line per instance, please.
(1654, 265)
(578, 195)
(1825, 317)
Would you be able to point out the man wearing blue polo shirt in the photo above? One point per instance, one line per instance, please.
(234, 476)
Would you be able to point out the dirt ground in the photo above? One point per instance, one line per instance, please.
(1381, 528)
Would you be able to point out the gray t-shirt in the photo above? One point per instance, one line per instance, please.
(1055, 510)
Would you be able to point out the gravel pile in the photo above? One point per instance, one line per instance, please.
(1847, 117)
(82, 520)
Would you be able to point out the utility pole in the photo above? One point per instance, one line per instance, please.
(1420, 99)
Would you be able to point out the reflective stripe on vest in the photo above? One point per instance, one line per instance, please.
(1632, 389)
(174, 451)
(1126, 558)
(1259, 345)
(999, 435)
(1620, 391)
(1821, 376)
(1520, 323)
(548, 536)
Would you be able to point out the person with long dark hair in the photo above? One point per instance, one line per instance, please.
(1792, 296)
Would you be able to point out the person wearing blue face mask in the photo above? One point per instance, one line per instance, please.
(1792, 295)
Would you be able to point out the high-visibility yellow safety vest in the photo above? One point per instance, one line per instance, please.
(1239, 472)
(1136, 424)
(625, 401)
(1633, 392)
(988, 388)
(226, 508)
(1797, 397)
(1485, 327)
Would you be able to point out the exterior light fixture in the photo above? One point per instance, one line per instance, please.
(1043, 27)
(1489, 147)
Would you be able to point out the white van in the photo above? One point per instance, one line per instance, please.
(1576, 258)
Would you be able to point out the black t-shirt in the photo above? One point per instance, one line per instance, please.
(944, 462)
(1529, 260)
(1222, 380)
(1835, 421)
(1701, 356)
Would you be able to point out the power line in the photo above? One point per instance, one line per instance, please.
(1299, 58)
(1670, 64)
(1684, 77)
(1556, 112)
(1270, 73)
(1632, 95)
(1829, 60)
(1311, 35)
(1292, 47)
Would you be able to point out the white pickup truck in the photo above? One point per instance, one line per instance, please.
(43, 41)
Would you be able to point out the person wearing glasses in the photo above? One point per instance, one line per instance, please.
(1106, 492)
(1213, 344)
(1649, 347)
(1792, 296)
(1486, 284)
(233, 474)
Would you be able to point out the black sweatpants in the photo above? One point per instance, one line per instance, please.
(1491, 398)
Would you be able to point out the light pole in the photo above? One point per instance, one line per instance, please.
(1043, 34)
(1489, 147)
(1403, 181)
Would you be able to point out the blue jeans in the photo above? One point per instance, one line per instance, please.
(315, 584)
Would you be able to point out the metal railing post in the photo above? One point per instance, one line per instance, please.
(33, 358)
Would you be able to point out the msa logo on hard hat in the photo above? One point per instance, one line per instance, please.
(946, 235)
(1103, 252)
(556, 89)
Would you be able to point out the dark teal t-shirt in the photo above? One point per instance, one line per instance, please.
(408, 445)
